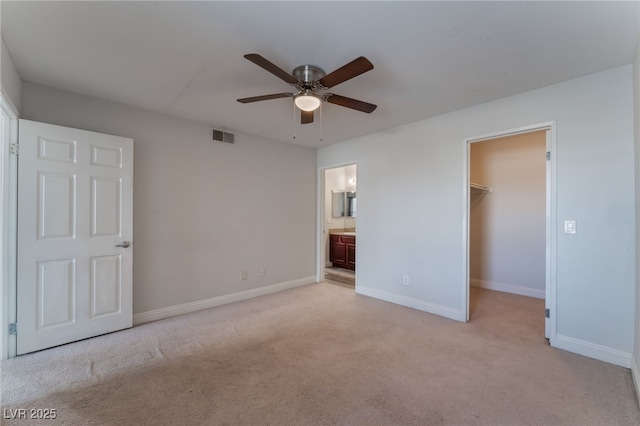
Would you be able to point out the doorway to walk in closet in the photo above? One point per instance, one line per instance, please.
(508, 245)
(340, 212)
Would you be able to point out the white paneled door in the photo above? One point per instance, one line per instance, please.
(75, 226)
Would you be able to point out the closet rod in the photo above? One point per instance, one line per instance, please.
(478, 187)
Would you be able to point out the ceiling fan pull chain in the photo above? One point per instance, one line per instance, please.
(321, 123)
(294, 120)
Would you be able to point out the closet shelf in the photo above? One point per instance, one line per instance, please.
(477, 188)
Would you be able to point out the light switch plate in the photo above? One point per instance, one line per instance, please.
(570, 226)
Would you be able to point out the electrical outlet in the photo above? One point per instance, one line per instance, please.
(262, 272)
(405, 280)
(244, 275)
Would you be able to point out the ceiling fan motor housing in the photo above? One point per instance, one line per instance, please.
(308, 73)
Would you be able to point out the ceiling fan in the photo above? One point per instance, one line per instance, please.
(310, 81)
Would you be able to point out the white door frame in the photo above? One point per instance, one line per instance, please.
(320, 225)
(8, 233)
(550, 252)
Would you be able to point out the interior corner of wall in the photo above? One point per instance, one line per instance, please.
(9, 102)
(10, 82)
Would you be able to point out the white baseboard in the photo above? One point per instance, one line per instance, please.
(592, 350)
(410, 302)
(635, 373)
(508, 288)
(185, 308)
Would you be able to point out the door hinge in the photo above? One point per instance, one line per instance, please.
(14, 149)
(547, 313)
(548, 155)
(13, 328)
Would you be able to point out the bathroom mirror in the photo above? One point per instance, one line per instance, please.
(337, 203)
(351, 203)
(343, 203)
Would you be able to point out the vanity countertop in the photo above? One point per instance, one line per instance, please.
(345, 231)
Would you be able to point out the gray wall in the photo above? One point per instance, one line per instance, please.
(203, 211)
(418, 168)
(507, 231)
(11, 84)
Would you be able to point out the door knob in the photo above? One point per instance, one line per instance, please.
(124, 244)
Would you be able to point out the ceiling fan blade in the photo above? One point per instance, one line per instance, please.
(350, 103)
(264, 97)
(272, 68)
(306, 117)
(352, 69)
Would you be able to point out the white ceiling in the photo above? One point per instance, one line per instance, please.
(186, 58)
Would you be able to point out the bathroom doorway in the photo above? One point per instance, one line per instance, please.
(339, 216)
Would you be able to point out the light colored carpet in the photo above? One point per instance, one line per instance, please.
(320, 355)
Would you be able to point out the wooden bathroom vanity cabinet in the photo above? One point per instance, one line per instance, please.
(342, 251)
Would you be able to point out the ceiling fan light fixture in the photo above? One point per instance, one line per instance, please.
(307, 101)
